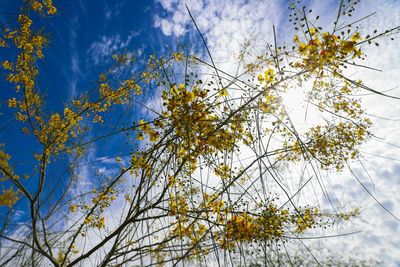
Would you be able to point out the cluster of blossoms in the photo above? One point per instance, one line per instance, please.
(195, 130)
(198, 129)
(42, 6)
(323, 50)
(94, 213)
(271, 225)
(338, 141)
(22, 72)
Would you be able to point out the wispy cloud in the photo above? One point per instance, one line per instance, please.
(74, 72)
(227, 24)
(114, 10)
(102, 50)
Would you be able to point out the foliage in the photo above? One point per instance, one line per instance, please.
(185, 191)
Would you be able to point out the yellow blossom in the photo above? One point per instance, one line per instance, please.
(12, 102)
(73, 208)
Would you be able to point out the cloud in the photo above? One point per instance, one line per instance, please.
(113, 11)
(102, 50)
(226, 24)
(74, 72)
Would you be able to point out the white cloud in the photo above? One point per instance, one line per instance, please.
(113, 11)
(102, 50)
(226, 24)
(74, 71)
(380, 236)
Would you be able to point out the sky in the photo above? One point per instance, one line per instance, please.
(86, 34)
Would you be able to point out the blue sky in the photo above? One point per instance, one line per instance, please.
(85, 34)
(83, 37)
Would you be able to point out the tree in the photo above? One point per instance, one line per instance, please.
(203, 178)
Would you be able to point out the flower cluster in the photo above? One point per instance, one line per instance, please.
(42, 6)
(8, 197)
(271, 225)
(331, 145)
(23, 71)
(326, 50)
(100, 202)
(199, 130)
(146, 129)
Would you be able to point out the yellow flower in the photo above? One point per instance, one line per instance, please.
(88, 220)
(7, 65)
(73, 208)
(37, 6)
(178, 56)
(8, 197)
(223, 92)
(12, 102)
(153, 136)
(139, 136)
(356, 37)
(269, 75)
(296, 38)
(101, 223)
(97, 118)
(142, 125)
(51, 10)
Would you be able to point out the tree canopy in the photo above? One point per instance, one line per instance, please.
(220, 167)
